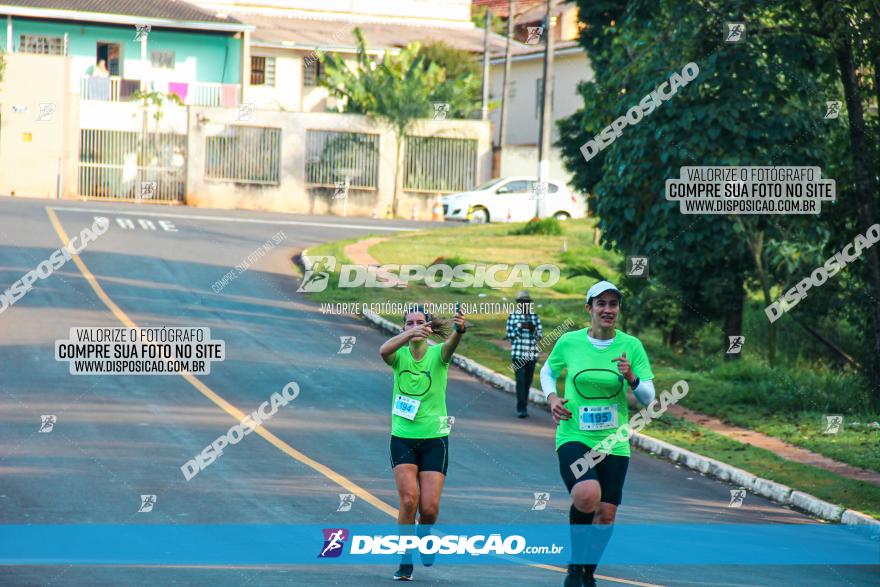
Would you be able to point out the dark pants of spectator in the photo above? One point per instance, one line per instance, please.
(525, 371)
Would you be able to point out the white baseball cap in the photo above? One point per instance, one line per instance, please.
(600, 288)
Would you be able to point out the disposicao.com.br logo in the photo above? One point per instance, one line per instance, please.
(318, 269)
(476, 545)
(334, 541)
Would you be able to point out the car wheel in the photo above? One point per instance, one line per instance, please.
(480, 216)
(562, 216)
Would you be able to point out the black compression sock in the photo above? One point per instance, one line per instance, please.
(576, 516)
(600, 538)
(579, 536)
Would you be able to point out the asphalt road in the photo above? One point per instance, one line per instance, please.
(118, 437)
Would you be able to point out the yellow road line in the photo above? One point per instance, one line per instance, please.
(227, 407)
(224, 405)
(627, 581)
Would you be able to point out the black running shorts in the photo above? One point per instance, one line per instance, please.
(428, 454)
(610, 472)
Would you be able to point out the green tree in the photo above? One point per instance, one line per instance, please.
(851, 31)
(395, 91)
(634, 47)
(150, 150)
(155, 100)
(758, 102)
(458, 65)
(497, 24)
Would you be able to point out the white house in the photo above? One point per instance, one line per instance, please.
(525, 87)
(283, 70)
(519, 154)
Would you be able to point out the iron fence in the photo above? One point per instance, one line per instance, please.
(131, 165)
(333, 156)
(244, 154)
(439, 164)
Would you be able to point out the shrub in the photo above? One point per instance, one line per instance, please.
(548, 226)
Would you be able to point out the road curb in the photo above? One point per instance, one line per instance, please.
(713, 468)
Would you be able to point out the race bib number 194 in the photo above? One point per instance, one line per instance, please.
(598, 417)
(406, 407)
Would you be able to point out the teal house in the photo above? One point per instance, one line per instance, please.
(117, 47)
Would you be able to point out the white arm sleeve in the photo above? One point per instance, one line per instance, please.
(644, 392)
(548, 380)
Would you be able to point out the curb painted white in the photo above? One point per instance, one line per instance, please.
(710, 467)
(823, 509)
(858, 519)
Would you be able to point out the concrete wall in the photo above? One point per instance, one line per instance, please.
(569, 24)
(522, 116)
(523, 160)
(33, 152)
(128, 116)
(288, 93)
(292, 195)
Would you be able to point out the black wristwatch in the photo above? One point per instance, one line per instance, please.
(634, 384)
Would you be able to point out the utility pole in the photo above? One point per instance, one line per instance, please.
(546, 109)
(502, 125)
(486, 66)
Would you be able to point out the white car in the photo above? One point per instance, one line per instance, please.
(512, 199)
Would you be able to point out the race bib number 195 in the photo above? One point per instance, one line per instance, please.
(598, 417)
(406, 407)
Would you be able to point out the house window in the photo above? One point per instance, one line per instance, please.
(312, 70)
(262, 70)
(162, 59)
(111, 54)
(42, 44)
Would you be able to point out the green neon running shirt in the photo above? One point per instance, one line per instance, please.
(595, 391)
(422, 381)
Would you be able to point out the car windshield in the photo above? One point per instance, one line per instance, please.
(486, 185)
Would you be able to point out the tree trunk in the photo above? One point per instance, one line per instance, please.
(865, 190)
(397, 166)
(677, 337)
(756, 246)
(733, 318)
(771, 331)
(768, 299)
(824, 340)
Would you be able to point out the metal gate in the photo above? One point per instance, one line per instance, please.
(333, 156)
(245, 155)
(439, 164)
(136, 166)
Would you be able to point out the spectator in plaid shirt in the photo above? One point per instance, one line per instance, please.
(524, 330)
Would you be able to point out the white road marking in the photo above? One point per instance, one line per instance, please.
(232, 219)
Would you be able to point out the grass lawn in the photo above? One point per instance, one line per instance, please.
(789, 402)
(852, 494)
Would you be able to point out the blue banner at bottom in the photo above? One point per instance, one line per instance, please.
(246, 544)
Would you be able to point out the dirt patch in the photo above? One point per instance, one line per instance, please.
(779, 447)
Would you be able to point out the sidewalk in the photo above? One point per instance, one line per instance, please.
(358, 253)
(779, 447)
